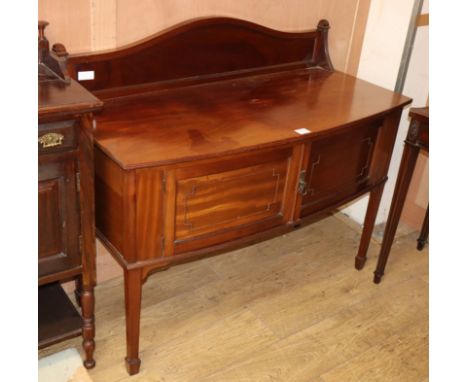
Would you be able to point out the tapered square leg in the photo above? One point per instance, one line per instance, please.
(133, 286)
(369, 222)
(422, 240)
(405, 173)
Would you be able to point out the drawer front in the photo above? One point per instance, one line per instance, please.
(58, 136)
(222, 201)
(338, 166)
(58, 217)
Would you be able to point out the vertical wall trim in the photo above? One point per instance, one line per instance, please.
(103, 24)
(92, 17)
(357, 37)
(408, 48)
(353, 30)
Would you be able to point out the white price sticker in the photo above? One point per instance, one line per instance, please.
(86, 76)
(302, 131)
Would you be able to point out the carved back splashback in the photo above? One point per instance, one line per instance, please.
(202, 48)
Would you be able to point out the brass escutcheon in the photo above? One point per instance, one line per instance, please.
(51, 140)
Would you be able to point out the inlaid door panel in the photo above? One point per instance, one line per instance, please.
(338, 166)
(58, 217)
(50, 218)
(229, 196)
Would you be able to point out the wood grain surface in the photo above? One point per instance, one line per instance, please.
(235, 115)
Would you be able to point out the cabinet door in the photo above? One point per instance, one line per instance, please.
(220, 201)
(58, 217)
(338, 167)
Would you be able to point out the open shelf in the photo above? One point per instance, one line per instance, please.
(58, 318)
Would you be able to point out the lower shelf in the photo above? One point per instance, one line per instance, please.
(58, 319)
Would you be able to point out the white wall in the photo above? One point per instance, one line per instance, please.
(384, 40)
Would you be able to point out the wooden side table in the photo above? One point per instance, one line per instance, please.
(417, 139)
(66, 228)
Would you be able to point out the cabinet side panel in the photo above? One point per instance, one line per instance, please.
(109, 202)
(87, 200)
(149, 213)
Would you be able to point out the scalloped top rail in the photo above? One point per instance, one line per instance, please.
(199, 50)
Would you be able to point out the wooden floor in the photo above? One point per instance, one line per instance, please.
(289, 309)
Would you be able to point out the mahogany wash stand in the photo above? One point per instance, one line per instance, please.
(66, 234)
(218, 133)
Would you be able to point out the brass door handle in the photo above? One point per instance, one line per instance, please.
(51, 140)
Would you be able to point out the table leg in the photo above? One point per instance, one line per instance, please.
(422, 240)
(78, 289)
(369, 222)
(87, 308)
(133, 284)
(408, 162)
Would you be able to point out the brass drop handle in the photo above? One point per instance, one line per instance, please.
(51, 140)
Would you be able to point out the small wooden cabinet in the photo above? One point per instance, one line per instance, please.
(58, 205)
(66, 247)
(58, 210)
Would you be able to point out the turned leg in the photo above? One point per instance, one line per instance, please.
(133, 284)
(87, 308)
(408, 162)
(422, 240)
(78, 289)
(369, 222)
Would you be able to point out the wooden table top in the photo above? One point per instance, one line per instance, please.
(55, 96)
(421, 113)
(234, 115)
